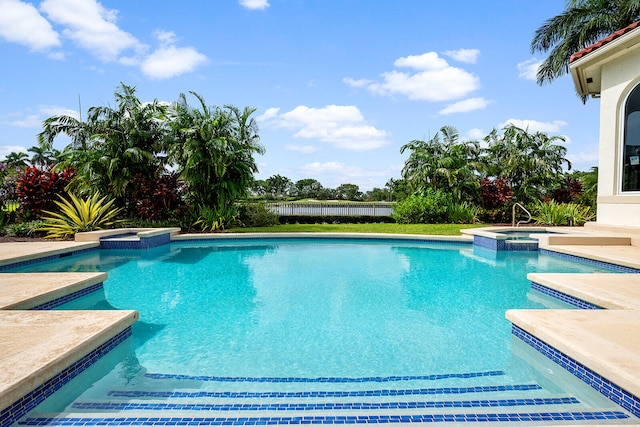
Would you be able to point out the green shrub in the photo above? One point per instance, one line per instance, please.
(24, 229)
(554, 213)
(463, 213)
(256, 215)
(428, 209)
(210, 219)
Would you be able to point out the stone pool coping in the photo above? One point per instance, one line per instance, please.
(38, 345)
(25, 291)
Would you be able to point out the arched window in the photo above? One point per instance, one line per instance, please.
(631, 147)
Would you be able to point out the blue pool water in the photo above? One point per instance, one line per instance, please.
(311, 308)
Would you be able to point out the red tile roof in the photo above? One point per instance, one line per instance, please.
(587, 50)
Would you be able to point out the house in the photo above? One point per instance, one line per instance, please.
(610, 70)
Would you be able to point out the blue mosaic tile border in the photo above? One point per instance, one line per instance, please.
(620, 268)
(576, 302)
(614, 393)
(70, 297)
(320, 238)
(326, 419)
(317, 394)
(351, 406)
(45, 258)
(504, 245)
(22, 406)
(489, 243)
(141, 243)
(432, 377)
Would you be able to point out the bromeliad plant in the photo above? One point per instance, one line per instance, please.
(77, 215)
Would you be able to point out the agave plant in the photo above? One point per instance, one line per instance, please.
(77, 215)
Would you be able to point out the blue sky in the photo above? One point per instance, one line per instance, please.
(338, 85)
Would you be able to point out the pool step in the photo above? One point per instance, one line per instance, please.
(160, 399)
(195, 408)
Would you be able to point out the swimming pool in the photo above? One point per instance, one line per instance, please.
(318, 319)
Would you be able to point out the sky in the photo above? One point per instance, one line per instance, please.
(339, 86)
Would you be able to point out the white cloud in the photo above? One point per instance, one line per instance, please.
(475, 134)
(470, 56)
(168, 60)
(590, 157)
(303, 149)
(536, 126)
(356, 83)
(529, 69)
(22, 23)
(341, 125)
(6, 149)
(92, 27)
(28, 119)
(465, 106)
(269, 113)
(255, 4)
(431, 78)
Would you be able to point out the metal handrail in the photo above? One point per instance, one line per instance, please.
(513, 215)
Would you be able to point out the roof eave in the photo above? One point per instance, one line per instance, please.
(589, 66)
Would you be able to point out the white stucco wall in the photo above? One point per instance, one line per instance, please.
(619, 77)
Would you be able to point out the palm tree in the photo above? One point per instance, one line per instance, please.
(16, 160)
(582, 23)
(531, 163)
(213, 150)
(43, 155)
(113, 145)
(443, 162)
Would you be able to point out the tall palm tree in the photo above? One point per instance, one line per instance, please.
(582, 23)
(16, 160)
(114, 144)
(531, 163)
(443, 162)
(43, 155)
(213, 149)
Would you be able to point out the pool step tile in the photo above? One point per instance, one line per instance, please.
(511, 417)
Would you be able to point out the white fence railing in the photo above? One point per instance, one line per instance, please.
(332, 209)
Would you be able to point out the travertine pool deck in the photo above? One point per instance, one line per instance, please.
(36, 345)
(14, 252)
(605, 341)
(611, 291)
(24, 291)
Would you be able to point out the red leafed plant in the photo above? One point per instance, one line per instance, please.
(568, 191)
(156, 198)
(495, 193)
(38, 188)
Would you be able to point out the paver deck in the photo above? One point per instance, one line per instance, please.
(612, 291)
(28, 290)
(14, 252)
(36, 345)
(605, 341)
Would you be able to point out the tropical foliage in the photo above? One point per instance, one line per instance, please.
(213, 149)
(554, 213)
(114, 144)
(531, 163)
(443, 162)
(77, 215)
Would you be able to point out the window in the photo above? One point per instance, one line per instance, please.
(631, 147)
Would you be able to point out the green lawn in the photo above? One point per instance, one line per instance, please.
(437, 229)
